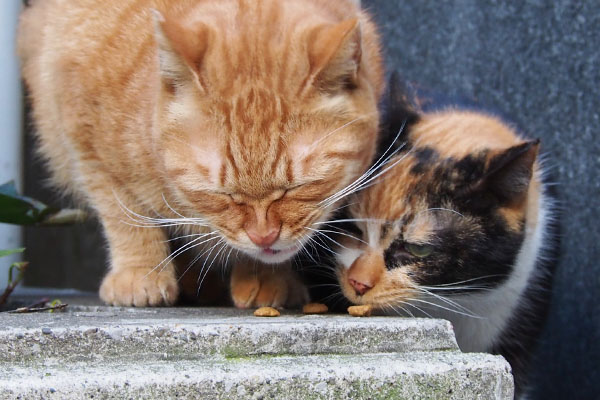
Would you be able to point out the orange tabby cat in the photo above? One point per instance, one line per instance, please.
(227, 121)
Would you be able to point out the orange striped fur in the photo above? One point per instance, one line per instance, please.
(243, 113)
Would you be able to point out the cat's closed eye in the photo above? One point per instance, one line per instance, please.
(241, 199)
(293, 189)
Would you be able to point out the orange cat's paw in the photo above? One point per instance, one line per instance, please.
(139, 287)
(267, 288)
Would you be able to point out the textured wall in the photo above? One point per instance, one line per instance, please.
(535, 60)
(538, 61)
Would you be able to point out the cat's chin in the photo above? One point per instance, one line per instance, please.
(274, 256)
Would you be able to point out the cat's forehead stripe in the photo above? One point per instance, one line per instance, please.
(373, 228)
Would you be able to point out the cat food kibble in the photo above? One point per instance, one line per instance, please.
(314, 308)
(360, 311)
(266, 312)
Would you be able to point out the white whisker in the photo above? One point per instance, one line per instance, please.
(446, 300)
(377, 165)
(468, 280)
(191, 235)
(323, 246)
(363, 185)
(212, 261)
(189, 245)
(321, 235)
(441, 209)
(418, 309)
(445, 308)
(313, 145)
(151, 222)
(204, 273)
(351, 220)
(323, 231)
(171, 208)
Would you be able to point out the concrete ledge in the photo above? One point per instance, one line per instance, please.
(445, 375)
(99, 352)
(146, 334)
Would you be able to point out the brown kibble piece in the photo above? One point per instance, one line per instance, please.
(266, 312)
(360, 311)
(314, 308)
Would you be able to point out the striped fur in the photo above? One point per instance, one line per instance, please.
(224, 117)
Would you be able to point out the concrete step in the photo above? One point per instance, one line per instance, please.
(107, 352)
(415, 375)
(87, 333)
(370, 376)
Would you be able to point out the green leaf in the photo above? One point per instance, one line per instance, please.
(4, 253)
(20, 210)
(23, 210)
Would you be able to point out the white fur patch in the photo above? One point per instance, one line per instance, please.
(373, 233)
(495, 307)
(335, 104)
(183, 113)
(210, 160)
(346, 256)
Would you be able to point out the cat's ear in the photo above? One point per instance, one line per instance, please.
(334, 55)
(509, 173)
(180, 49)
(400, 108)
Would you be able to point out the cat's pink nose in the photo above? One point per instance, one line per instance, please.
(263, 239)
(359, 287)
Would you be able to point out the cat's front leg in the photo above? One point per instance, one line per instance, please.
(140, 274)
(254, 284)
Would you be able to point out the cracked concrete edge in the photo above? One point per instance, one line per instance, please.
(74, 339)
(448, 375)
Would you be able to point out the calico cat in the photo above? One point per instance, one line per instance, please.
(461, 227)
(225, 122)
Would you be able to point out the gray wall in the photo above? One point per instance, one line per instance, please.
(538, 61)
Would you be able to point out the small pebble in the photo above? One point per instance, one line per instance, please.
(266, 312)
(46, 331)
(160, 332)
(321, 387)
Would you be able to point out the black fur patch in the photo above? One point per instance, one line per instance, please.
(424, 157)
(399, 115)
